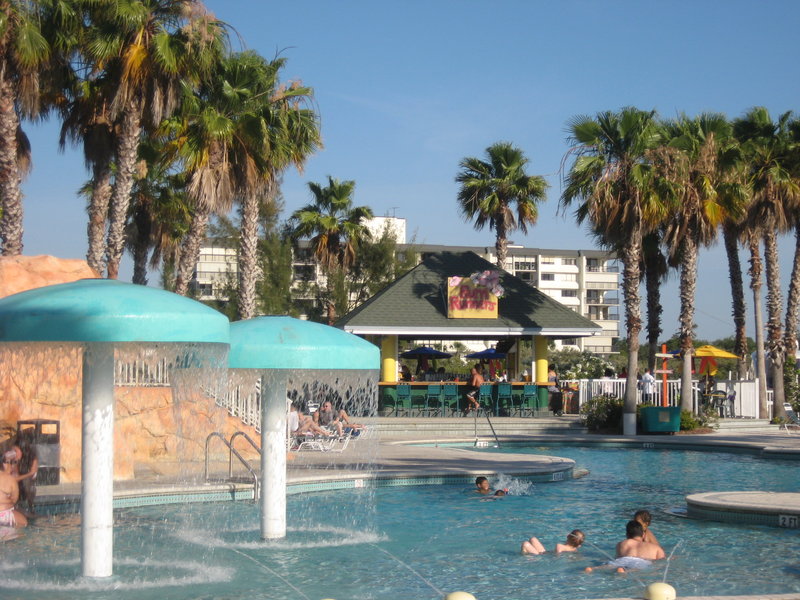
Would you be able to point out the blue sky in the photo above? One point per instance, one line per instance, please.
(406, 89)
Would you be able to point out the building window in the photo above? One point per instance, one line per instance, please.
(570, 342)
(569, 293)
(525, 275)
(548, 260)
(548, 277)
(569, 277)
(524, 266)
(569, 261)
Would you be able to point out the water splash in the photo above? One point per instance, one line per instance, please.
(669, 558)
(515, 487)
(270, 571)
(428, 583)
(330, 537)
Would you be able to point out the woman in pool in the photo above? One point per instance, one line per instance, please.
(575, 540)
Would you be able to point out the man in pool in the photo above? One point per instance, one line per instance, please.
(482, 486)
(633, 552)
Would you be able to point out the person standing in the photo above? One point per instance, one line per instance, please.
(648, 387)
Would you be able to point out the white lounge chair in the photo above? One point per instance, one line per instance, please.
(791, 416)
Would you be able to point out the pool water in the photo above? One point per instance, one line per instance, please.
(414, 542)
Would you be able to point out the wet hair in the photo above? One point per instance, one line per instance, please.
(643, 516)
(575, 538)
(480, 480)
(551, 367)
(633, 529)
(500, 493)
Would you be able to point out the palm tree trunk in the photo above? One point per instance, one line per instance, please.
(10, 191)
(777, 351)
(98, 214)
(737, 298)
(127, 153)
(141, 245)
(248, 260)
(501, 241)
(631, 257)
(688, 290)
(190, 251)
(652, 278)
(755, 285)
(793, 300)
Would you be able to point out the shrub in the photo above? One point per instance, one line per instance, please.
(708, 417)
(603, 413)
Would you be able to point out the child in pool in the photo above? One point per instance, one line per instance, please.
(644, 518)
(575, 540)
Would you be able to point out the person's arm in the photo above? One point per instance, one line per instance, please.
(660, 553)
(32, 472)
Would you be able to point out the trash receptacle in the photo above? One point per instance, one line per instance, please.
(47, 441)
(661, 419)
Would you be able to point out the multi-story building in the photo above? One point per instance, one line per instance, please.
(587, 281)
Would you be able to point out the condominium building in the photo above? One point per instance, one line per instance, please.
(587, 281)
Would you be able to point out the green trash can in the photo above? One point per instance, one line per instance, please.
(661, 419)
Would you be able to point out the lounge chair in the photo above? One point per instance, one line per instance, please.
(791, 416)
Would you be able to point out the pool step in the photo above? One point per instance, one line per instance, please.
(388, 427)
(753, 425)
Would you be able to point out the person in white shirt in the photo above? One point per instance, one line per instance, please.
(648, 387)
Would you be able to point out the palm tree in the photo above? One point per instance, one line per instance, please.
(489, 189)
(23, 49)
(693, 164)
(335, 228)
(655, 269)
(285, 132)
(766, 146)
(613, 179)
(730, 232)
(148, 50)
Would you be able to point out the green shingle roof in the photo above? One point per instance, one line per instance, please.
(416, 304)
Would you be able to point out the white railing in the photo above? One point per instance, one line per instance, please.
(140, 373)
(745, 392)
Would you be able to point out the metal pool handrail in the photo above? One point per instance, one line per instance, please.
(233, 452)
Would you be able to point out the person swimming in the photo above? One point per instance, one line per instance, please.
(575, 539)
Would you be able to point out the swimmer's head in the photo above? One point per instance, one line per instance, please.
(643, 516)
(500, 493)
(576, 538)
(633, 529)
(482, 483)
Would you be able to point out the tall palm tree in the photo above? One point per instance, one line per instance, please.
(655, 269)
(336, 229)
(793, 297)
(148, 49)
(694, 162)
(612, 179)
(286, 133)
(767, 146)
(490, 188)
(23, 49)
(730, 232)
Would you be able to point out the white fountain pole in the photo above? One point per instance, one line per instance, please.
(97, 461)
(273, 455)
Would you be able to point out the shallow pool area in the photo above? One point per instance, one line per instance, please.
(413, 542)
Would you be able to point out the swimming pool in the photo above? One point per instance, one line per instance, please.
(361, 544)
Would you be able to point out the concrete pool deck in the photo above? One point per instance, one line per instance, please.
(446, 457)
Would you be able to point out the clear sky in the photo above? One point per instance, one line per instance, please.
(407, 88)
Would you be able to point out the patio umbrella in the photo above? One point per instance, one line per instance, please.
(488, 354)
(707, 351)
(713, 352)
(424, 352)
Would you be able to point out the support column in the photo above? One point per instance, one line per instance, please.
(273, 456)
(389, 358)
(97, 461)
(540, 358)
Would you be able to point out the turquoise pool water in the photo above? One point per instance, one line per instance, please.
(362, 544)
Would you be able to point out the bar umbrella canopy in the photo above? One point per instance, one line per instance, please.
(488, 354)
(424, 352)
(276, 347)
(101, 315)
